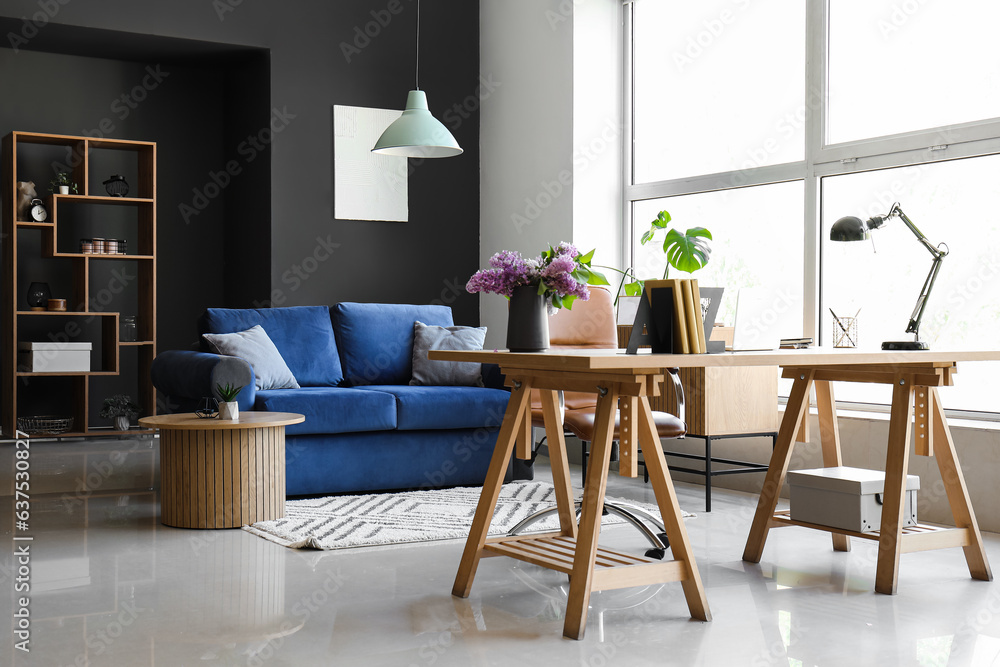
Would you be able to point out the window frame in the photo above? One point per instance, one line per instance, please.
(822, 159)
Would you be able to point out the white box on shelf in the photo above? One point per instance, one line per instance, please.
(53, 357)
(846, 498)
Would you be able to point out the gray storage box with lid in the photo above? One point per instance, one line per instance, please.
(53, 357)
(846, 498)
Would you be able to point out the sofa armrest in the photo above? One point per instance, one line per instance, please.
(194, 375)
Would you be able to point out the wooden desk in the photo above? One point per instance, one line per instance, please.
(573, 549)
(914, 375)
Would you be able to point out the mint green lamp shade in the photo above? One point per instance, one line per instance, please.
(417, 133)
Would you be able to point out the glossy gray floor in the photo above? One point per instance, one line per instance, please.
(111, 586)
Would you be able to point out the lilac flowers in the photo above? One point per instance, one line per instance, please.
(561, 274)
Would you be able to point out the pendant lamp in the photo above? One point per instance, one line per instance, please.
(417, 133)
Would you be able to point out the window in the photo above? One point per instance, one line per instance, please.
(745, 117)
(701, 72)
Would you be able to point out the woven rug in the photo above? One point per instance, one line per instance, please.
(339, 522)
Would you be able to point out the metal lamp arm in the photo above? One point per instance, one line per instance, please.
(918, 310)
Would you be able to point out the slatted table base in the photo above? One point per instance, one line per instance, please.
(222, 478)
(919, 537)
(612, 569)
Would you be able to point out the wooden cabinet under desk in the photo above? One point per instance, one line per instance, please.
(721, 402)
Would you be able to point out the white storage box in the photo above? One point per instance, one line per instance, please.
(847, 498)
(36, 357)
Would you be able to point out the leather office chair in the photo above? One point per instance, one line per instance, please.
(591, 325)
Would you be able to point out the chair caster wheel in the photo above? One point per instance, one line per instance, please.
(658, 554)
(664, 539)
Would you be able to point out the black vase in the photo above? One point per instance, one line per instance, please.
(38, 296)
(527, 321)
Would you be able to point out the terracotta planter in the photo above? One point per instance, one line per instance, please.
(527, 321)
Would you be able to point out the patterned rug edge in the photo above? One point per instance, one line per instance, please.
(311, 542)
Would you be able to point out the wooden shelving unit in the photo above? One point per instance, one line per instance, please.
(84, 309)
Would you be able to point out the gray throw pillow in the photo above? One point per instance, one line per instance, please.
(454, 373)
(254, 346)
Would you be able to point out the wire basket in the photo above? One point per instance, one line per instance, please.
(44, 425)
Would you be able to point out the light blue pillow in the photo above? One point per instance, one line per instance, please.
(254, 347)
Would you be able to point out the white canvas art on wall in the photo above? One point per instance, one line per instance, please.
(367, 186)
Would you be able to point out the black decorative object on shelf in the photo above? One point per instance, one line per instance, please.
(38, 296)
(116, 186)
(208, 408)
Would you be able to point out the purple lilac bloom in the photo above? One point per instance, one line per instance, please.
(559, 279)
(567, 249)
(508, 270)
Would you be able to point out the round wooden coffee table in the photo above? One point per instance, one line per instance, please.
(222, 473)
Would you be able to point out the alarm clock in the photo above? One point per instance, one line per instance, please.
(36, 209)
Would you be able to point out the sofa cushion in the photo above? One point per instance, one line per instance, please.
(332, 409)
(376, 340)
(254, 347)
(420, 408)
(446, 373)
(302, 334)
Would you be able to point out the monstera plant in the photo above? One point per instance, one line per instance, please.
(686, 251)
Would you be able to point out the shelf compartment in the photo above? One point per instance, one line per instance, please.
(108, 343)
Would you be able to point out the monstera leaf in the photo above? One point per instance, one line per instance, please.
(687, 251)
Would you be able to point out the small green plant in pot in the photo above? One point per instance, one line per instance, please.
(228, 407)
(121, 409)
(63, 184)
(685, 251)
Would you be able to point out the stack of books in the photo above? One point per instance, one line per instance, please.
(689, 327)
(795, 343)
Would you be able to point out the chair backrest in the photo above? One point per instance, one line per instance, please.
(590, 324)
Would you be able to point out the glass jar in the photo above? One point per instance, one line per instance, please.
(128, 330)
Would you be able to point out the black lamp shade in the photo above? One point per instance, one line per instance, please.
(849, 228)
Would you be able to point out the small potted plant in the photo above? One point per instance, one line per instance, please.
(685, 251)
(228, 407)
(63, 184)
(121, 409)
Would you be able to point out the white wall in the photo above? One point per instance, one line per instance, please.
(526, 135)
(550, 135)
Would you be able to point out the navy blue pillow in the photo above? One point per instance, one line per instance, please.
(303, 335)
(376, 339)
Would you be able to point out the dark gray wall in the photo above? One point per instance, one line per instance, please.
(417, 262)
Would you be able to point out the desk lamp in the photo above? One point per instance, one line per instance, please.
(852, 228)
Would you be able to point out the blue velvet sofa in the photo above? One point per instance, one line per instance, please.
(366, 428)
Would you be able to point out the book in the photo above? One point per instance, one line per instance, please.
(682, 344)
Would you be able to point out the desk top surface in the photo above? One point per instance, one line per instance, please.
(581, 360)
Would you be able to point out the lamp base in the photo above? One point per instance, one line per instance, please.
(905, 345)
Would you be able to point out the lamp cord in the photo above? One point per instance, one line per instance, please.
(416, 76)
